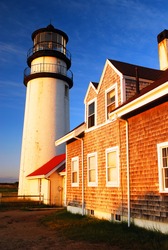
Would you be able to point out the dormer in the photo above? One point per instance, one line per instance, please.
(118, 83)
(90, 102)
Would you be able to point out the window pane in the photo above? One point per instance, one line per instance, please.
(111, 174)
(91, 121)
(111, 107)
(74, 166)
(92, 175)
(92, 168)
(91, 108)
(112, 168)
(48, 36)
(164, 152)
(165, 174)
(111, 96)
(165, 157)
(166, 183)
(110, 101)
(111, 159)
(42, 37)
(59, 39)
(74, 177)
(92, 162)
(91, 115)
(74, 171)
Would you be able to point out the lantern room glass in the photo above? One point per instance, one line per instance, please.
(50, 40)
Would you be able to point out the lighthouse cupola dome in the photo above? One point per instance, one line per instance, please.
(50, 26)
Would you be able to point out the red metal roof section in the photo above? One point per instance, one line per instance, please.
(49, 166)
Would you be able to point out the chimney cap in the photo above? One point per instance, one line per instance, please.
(163, 35)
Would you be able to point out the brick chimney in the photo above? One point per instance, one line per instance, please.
(162, 39)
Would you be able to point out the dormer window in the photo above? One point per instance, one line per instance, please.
(110, 100)
(91, 114)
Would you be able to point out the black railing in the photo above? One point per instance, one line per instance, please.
(49, 46)
(48, 68)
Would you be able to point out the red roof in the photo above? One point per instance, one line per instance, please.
(49, 167)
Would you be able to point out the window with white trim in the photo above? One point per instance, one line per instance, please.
(112, 167)
(92, 169)
(111, 100)
(162, 149)
(75, 171)
(91, 111)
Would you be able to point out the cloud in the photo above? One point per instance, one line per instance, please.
(12, 95)
(10, 48)
(11, 56)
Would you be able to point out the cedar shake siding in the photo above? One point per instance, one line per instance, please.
(74, 194)
(102, 198)
(146, 130)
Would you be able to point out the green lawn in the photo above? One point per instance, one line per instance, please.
(83, 228)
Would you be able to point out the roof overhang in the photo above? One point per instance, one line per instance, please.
(74, 133)
(45, 176)
(142, 100)
(57, 163)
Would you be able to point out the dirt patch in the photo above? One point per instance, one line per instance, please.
(23, 230)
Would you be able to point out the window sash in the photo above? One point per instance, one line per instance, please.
(110, 101)
(91, 121)
(75, 169)
(111, 97)
(162, 150)
(165, 167)
(91, 109)
(92, 169)
(91, 114)
(74, 177)
(112, 167)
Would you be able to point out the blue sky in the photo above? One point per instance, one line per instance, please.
(124, 30)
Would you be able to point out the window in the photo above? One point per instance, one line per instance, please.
(75, 171)
(66, 91)
(163, 166)
(92, 169)
(91, 114)
(110, 100)
(112, 167)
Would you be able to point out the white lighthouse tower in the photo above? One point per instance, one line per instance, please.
(48, 80)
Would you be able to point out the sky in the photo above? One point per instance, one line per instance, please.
(124, 30)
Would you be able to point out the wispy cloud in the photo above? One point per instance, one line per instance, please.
(10, 48)
(11, 93)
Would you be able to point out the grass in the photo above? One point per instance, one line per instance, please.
(89, 229)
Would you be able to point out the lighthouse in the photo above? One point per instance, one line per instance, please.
(47, 79)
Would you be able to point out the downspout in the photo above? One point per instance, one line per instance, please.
(82, 173)
(128, 172)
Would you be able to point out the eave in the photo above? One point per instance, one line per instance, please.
(157, 93)
(74, 133)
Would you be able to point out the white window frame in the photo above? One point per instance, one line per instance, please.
(95, 113)
(113, 87)
(95, 183)
(75, 159)
(117, 182)
(160, 146)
